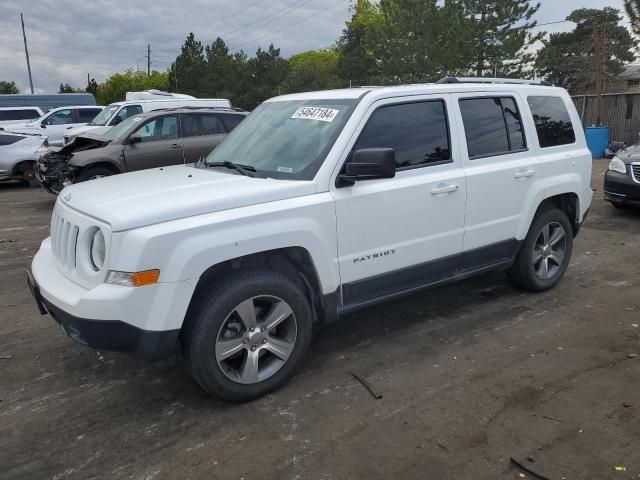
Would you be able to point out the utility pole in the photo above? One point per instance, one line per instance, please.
(148, 60)
(598, 50)
(88, 81)
(26, 52)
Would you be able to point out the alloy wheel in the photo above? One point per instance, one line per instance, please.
(256, 339)
(549, 250)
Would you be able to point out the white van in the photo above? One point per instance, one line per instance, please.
(139, 102)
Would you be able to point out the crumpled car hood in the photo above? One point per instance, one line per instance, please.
(148, 197)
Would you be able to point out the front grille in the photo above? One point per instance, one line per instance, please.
(635, 171)
(64, 241)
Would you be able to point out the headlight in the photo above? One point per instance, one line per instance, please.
(617, 165)
(133, 279)
(97, 250)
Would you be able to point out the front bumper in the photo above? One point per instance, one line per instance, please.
(144, 320)
(621, 189)
(113, 335)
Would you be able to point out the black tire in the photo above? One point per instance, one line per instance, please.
(210, 313)
(91, 173)
(523, 272)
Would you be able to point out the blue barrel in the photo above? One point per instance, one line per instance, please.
(597, 140)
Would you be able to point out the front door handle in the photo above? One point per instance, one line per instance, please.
(524, 173)
(443, 188)
(174, 146)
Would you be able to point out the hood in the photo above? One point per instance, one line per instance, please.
(629, 154)
(94, 129)
(148, 197)
(87, 141)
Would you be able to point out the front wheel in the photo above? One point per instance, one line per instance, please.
(249, 335)
(545, 253)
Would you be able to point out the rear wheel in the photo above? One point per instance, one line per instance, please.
(248, 336)
(545, 253)
(93, 173)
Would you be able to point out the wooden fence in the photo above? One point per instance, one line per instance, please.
(620, 111)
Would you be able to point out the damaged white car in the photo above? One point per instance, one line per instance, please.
(18, 155)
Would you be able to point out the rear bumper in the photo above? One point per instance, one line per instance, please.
(113, 335)
(621, 189)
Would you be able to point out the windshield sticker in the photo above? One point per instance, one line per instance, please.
(285, 169)
(316, 113)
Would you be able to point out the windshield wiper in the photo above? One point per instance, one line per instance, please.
(243, 169)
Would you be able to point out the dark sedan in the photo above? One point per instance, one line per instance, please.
(622, 181)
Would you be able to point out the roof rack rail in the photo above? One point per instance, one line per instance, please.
(515, 81)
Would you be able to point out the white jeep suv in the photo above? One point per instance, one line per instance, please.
(316, 205)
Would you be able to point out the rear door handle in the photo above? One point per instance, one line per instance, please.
(174, 146)
(444, 188)
(524, 173)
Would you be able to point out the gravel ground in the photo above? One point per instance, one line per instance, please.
(471, 375)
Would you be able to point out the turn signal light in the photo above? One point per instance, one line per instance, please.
(135, 279)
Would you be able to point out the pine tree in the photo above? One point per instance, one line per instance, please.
(187, 73)
(500, 32)
(632, 7)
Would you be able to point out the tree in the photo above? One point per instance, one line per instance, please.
(92, 87)
(312, 70)
(66, 88)
(263, 77)
(567, 59)
(219, 74)
(356, 63)
(117, 85)
(8, 87)
(187, 74)
(500, 32)
(632, 7)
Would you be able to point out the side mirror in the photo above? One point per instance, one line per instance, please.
(42, 125)
(117, 120)
(135, 138)
(369, 164)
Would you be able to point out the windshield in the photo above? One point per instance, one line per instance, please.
(286, 139)
(105, 115)
(122, 127)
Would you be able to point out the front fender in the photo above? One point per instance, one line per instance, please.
(184, 249)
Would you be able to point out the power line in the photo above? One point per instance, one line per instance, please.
(286, 9)
(288, 26)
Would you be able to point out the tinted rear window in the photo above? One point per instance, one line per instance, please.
(231, 121)
(85, 115)
(19, 114)
(492, 125)
(9, 139)
(552, 120)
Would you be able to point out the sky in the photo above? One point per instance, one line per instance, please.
(68, 39)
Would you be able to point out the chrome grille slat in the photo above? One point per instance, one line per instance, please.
(64, 241)
(635, 172)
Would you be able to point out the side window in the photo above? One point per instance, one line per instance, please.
(190, 125)
(493, 126)
(418, 132)
(126, 112)
(231, 121)
(552, 120)
(63, 117)
(85, 115)
(161, 128)
(19, 114)
(211, 125)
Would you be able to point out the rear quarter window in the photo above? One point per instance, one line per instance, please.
(19, 115)
(552, 120)
(231, 121)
